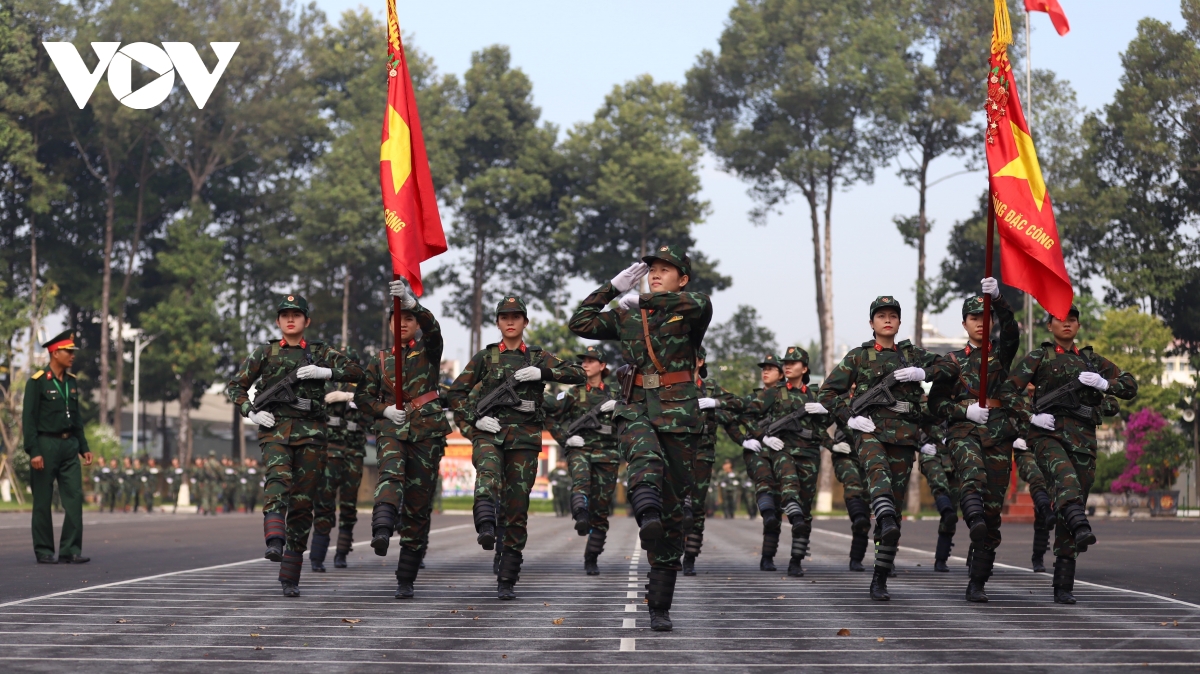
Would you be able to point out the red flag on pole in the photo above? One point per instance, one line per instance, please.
(1031, 256)
(1057, 16)
(410, 210)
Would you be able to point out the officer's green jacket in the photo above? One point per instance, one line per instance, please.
(865, 366)
(422, 359)
(564, 408)
(677, 323)
(46, 410)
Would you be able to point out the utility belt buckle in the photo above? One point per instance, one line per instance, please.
(651, 381)
(605, 429)
(901, 407)
(351, 426)
(335, 421)
(302, 404)
(526, 406)
(1083, 413)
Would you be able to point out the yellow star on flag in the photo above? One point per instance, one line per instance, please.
(1025, 166)
(397, 149)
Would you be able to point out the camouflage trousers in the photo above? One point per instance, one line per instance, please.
(985, 471)
(701, 480)
(338, 490)
(886, 468)
(408, 479)
(729, 502)
(758, 469)
(849, 473)
(506, 476)
(598, 482)
(797, 475)
(938, 470)
(291, 472)
(1069, 463)
(663, 461)
(1029, 471)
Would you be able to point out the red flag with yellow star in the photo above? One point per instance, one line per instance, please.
(410, 210)
(1031, 256)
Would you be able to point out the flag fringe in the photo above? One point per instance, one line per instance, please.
(1001, 27)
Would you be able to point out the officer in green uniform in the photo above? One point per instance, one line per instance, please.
(886, 434)
(508, 438)
(410, 434)
(761, 492)
(1061, 431)
(660, 422)
(592, 452)
(291, 430)
(54, 441)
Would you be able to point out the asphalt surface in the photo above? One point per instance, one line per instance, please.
(218, 606)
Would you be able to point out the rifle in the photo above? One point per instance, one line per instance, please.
(1066, 398)
(504, 395)
(878, 395)
(590, 421)
(791, 422)
(283, 393)
(626, 374)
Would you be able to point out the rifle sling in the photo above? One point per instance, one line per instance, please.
(649, 346)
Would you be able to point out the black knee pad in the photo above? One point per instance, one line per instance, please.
(510, 566)
(408, 565)
(645, 498)
(660, 590)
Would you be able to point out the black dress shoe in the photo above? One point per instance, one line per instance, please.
(73, 559)
(46, 559)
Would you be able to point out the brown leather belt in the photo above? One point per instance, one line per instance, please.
(65, 435)
(420, 401)
(656, 380)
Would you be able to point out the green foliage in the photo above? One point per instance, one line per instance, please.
(555, 337)
(103, 442)
(1109, 467)
(1137, 342)
(735, 348)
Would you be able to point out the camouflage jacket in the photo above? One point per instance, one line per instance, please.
(1050, 367)
(727, 416)
(489, 368)
(564, 408)
(862, 368)
(422, 360)
(772, 404)
(45, 410)
(677, 323)
(269, 363)
(956, 384)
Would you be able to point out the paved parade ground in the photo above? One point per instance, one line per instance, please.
(155, 603)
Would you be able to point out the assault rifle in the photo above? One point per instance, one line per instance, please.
(590, 421)
(282, 392)
(504, 395)
(1066, 398)
(878, 395)
(791, 422)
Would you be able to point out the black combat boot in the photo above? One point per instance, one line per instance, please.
(944, 543)
(484, 512)
(1077, 524)
(801, 531)
(275, 532)
(317, 550)
(689, 516)
(647, 508)
(887, 521)
(982, 561)
(345, 543)
(860, 515)
(289, 573)
(946, 529)
(659, 593)
(383, 522)
(972, 509)
(879, 591)
(858, 550)
(1043, 509)
(406, 572)
(770, 518)
(691, 550)
(579, 511)
(1041, 543)
(1064, 580)
(769, 547)
(423, 551)
(510, 573)
(591, 553)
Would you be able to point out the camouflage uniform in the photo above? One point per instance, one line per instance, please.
(339, 479)
(1067, 455)
(292, 448)
(727, 416)
(729, 493)
(506, 463)
(887, 453)
(560, 488)
(409, 453)
(848, 471)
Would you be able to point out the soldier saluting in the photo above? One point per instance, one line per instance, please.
(885, 414)
(1069, 387)
(507, 438)
(660, 423)
(291, 429)
(54, 441)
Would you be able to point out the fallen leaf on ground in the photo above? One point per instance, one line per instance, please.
(470, 608)
(352, 621)
(258, 648)
(559, 621)
(504, 656)
(429, 624)
(781, 596)
(843, 632)
(475, 618)
(254, 634)
(545, 604)
(454, 611)
(122, 620)
(880, 640)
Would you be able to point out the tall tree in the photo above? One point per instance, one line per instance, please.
(736, 346)
(802, 98)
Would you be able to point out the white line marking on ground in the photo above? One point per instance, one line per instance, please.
(629, 622)
(628, 644)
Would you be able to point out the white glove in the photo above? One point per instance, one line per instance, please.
(488, 425)
(929, 448)
(709, 403)
(339, 397)
(774, 443)
(977, 414)
(991, 287)
(314, 372)
(1020, 445)
(608, 406)
(910, 374)
(815, 408)
(1094, 380)
(1043, 421)
(395, 415)
(529, 373)
(399, 288)
(263, 419)
(630, 301)
(841, 447)
(574, 441)
(629, 278)
(752, 445)
(861, 424)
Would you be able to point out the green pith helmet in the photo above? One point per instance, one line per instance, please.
(672, 255)
(771, 360)
(884, 302)
(511, 304)
(794, 354)
(1073, 312)
(972, 306)
(293, 302)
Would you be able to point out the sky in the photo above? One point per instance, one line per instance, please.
(576, 51)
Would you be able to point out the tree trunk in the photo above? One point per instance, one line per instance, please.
(477, 293)
(35, 310)
(346, 309)
(645, 283)
(922, 230)
(184, 435)
(162, 432)
(110, 214)
(139, 218)
(827, 324)
(819, 280)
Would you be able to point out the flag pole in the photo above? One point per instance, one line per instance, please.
(987, 303)
(396, 348)
(1029, 104)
